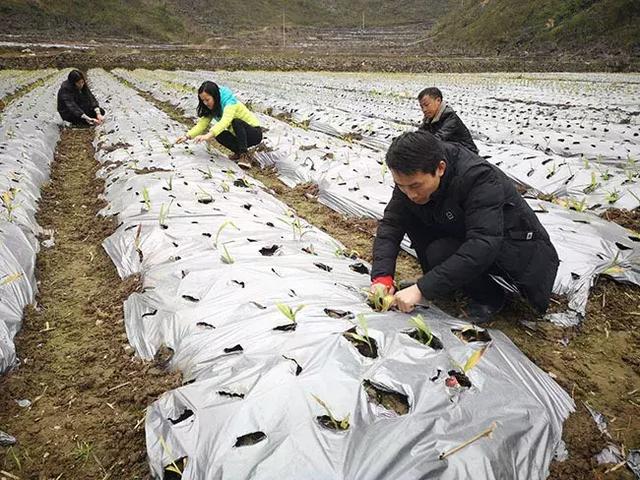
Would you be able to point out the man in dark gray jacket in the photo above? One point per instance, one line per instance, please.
(467, 223)
(442, 121)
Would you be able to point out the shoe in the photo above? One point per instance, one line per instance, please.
(234, 156)
(480, 313)
(244, 161)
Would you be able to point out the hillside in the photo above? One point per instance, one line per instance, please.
(182, 20)
(495, 26)
(74, 20)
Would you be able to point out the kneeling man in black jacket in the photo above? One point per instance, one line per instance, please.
(467, 223)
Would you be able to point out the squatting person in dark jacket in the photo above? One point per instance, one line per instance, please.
(442, 121)
(76, 103)
(466, 222)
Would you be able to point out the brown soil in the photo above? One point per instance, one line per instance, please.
(597, 363)
(390, 400)
(627, 218)
(88, 393)
(198, 57)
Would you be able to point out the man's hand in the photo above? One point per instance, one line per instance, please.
(99, 119)
(182, 139)
(407, 299)
(203, 138)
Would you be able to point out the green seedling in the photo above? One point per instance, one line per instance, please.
(136, 240)
(614, 267)
(606, 175)
(170, 183)
(310, 249)
(343, 252)
(578, 206)
(613, 196)
(552, 170)
(225, 224)
(8, 199)
(162, 218)
(424, 332)
(205, 195)
(82, 451)
(337, 424)
(226, 256)
(362, 322)
(379, 300)
(6, 280)
(297, 228)
(631, 161)
(146, 198)
(173, 467)
(208, 175)
(166, 144)
(15, 458)
(288, 312)
(384, 170)
(224, 186)
(593, 185)
(473, 360)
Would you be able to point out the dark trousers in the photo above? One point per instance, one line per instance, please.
(482, 289)
(79, 121)
(245, 136)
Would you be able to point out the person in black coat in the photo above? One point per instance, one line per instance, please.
(467, 223)
(76, 103)
(442, 121)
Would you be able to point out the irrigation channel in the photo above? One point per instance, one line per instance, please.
(81, 397)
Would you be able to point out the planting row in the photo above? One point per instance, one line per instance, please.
(289, 373)
(29, 132)
(595, 117)
(13, 80)
(577, 182)
(354, 180)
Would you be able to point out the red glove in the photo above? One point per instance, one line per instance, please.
(387, 281)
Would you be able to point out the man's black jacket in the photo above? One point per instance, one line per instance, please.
(72, 103)
(450, 128)
(477, 204)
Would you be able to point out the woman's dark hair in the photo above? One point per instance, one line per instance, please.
(75, 75)
(432, 92)
(212, 89)
(414, 152)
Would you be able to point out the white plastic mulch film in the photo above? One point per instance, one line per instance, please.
(256, 305)
(339, 126)
(13, 80)
(29, 131)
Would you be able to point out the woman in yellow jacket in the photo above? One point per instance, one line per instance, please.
(235, 126)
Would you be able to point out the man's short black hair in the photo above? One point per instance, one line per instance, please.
(414, 152)
(432, 92)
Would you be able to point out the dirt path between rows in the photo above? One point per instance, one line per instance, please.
(88, 394)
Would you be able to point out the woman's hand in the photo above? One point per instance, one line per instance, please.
(181, 139)
(203, 138)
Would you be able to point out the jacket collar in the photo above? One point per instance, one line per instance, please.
(443, 105)
(445, 180)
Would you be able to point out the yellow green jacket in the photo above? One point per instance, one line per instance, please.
(229, 113)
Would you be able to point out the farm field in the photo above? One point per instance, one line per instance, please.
(158, 301)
